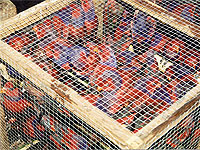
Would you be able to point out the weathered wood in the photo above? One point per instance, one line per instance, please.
(166, 17)
(168, 119)
(4, 144)
(30, 16)
(42, 10)
(70, 99)
(74, 102)
(175, 118)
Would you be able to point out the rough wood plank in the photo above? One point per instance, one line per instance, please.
(176, 117)
(42, 10)
(70, 99)
(168, 119)
(166, 17)
(30, 16)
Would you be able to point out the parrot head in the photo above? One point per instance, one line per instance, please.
(153, 84)
(173, 49)
(17, 43)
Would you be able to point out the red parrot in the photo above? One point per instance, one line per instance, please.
(186, 11)
(62, 22)
(13, 100)
(91, 20)
(91, 58)
(192, 61)
(107, 61)
(40, 30)
(64, 137)
(61, 28)
(33, 128)
(122, 35)
(77, 21)
(174, 50)
(158, 42)
(16, 42)
(183, 130)
(138, 97)
(19, 41)
(196, 132)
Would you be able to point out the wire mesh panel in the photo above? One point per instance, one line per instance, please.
(133, 68)
(185, 135)
(36, 121)
(188, 10)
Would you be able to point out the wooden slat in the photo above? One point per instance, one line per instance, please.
(30, 16)
(42, 10)
(166, 17)
(67, 97)
(75, 103)
(168, 119)
(176, 117)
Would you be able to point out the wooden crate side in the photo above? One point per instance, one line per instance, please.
(168, 119)
(30, 16)
(166, 17)
(176, 117)
(68, 97)
(41, 11)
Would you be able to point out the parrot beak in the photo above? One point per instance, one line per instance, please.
(159, 85)
(96, 49)
(99, 89)
(169, 78)
(34, 29)
(177, 49)
(35, 142)
(131, 48)
(3, 91)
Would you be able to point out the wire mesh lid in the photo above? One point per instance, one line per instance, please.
(137, 69)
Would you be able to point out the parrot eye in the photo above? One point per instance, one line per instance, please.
(107, 85)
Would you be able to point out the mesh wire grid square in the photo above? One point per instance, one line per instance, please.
(125, 62)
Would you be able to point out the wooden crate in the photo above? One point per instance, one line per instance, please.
(72, 100)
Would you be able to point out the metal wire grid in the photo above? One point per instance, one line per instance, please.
(189, 10)
(185, 135)
(36, 121)
(51, 45)
(133, 74)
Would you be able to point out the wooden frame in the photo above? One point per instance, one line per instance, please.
(74, 102)
(166, 17)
